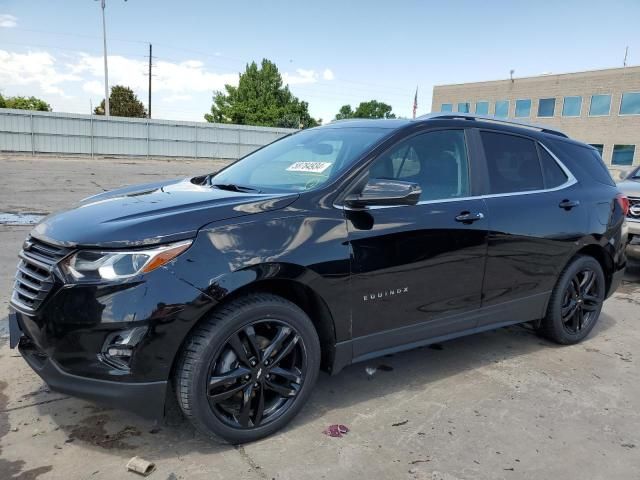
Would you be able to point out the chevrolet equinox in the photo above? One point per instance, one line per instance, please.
(330, 246)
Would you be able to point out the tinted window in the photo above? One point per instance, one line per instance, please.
(482, 108)
(600, 105)
(554, 176)
(437, 161)
(572, 106)
(623, 154)
(583, 159)
(523, 108)
(630, 104)
(446, 107)
(463, 107)
(512, 162)
(546, 107)
(502, 108)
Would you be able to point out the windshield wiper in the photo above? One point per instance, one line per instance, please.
(234, 187)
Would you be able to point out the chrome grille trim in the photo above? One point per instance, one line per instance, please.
(633, 201)
(34, 274)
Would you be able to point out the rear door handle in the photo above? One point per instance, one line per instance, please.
(568, 204)
(468, 217)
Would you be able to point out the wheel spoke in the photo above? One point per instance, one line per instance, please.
(227, 378)
(286, 350)
(578, 319)
(274, 346)
(253, 343)
(218, 397)
(591, 303)
(587, 282)
(245, 408)
(257, 416)
(280, 389)
(239, 349)
(290, 375)
(568, 310)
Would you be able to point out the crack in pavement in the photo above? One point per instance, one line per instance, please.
(43, 402)
(252, 464)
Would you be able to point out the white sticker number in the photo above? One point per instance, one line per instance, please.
(313, 167)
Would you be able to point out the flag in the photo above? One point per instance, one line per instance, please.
(415, 103)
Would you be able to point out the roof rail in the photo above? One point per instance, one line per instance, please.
(487, 118)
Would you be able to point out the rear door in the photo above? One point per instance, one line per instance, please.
(417, 270)
(535, 218)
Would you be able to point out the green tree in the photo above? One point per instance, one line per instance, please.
(260, 99)
(25, 103)
(370, 109)
(123, 103)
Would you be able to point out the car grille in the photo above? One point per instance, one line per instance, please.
(34, 276)
(634, 208)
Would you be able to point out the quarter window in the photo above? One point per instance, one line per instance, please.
(600, 105)
(437, 161)
(512, 162)
(554, 176)
(572, 106)
(630, 104)
(502, 108)
(546, 107)
(464, 107)
(623, 154)
(446, 107)
(523, 108)
(482, 108)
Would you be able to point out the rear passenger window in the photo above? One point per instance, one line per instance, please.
(512, 162)
(554, 176)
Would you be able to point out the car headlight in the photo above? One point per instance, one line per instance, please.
(95, 265)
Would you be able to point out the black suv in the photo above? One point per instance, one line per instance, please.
(330, 246)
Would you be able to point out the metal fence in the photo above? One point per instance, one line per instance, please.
(72, 134)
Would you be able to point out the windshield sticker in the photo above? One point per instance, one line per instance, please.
(313, 167)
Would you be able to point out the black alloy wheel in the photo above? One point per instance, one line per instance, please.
(576, 301)
(582, 301)
(257, 374)
(248, 368)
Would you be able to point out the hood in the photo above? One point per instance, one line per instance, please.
(630, 187)
(151, 213)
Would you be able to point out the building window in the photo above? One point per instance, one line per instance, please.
(572, 106)
(446, 107)
(523, 108)
(600, 105)
(546, 107)
(630, 104)
(623, 154)
(464, 107)
(482, 108)
(599, 147)
(502, 108)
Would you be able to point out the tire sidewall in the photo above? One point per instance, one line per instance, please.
(287, 313)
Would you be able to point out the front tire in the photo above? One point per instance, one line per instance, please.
(576, 302)
(248, 369)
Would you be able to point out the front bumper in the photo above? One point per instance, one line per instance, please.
(146, 399)
(633, 226)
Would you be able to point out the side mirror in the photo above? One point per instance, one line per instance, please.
(385, 192)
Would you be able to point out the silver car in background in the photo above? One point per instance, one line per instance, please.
(630, 186)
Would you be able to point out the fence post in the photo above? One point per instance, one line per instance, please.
(196, 144)
(148, 129)
(91, 132)
(33, 145)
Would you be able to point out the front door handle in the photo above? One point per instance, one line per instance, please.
(468, 217)
(568, 204)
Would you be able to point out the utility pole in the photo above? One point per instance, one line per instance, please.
(626, 54)
(150, 65)
(106, 70)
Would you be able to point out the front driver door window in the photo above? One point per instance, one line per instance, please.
(418, 269)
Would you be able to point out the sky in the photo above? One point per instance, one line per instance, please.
(331, 53)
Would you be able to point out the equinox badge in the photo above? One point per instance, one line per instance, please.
(385, 293)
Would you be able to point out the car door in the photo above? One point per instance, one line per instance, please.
(417, 270)
(535, 221)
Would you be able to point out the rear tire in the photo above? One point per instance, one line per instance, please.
(248, 368)
(576, 302)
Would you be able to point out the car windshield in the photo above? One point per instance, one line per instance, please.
(636, 174)
(299, 162)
